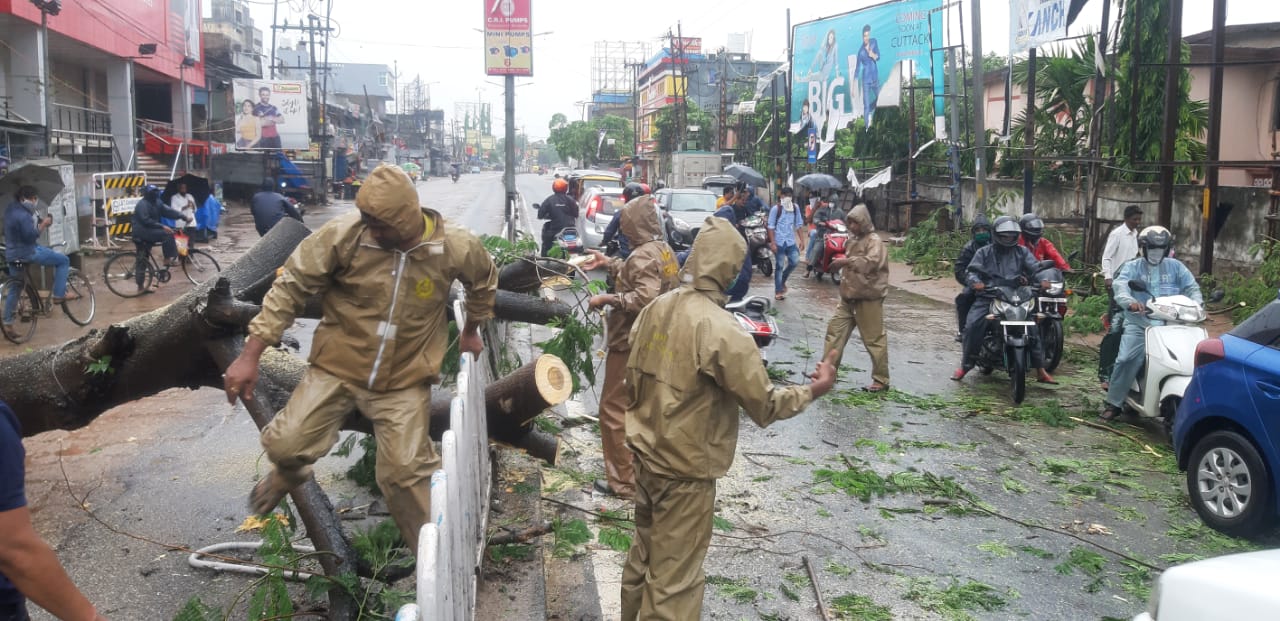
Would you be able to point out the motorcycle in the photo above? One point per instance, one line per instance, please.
(1011, 329)
(833, 242)
(758, 243)
(1051, 307)
(453, 174)
(568, 242)
(752, 314)
(1170, 354)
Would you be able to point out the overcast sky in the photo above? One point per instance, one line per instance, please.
(440, 42)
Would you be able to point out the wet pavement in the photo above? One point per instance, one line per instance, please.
(936, 464)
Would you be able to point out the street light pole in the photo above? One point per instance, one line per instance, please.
(47, 73)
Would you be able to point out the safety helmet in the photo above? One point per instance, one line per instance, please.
(660, 184)
(1032, 228)
(1007, 231)
(150, 191)
(559, 186)
(1155, 242)
(634, 189)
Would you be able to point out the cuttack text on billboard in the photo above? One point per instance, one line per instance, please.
(508, 37)
(271, 114)
(844, 67)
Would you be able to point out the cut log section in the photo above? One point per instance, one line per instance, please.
(525, 275)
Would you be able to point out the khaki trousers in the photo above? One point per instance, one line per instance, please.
(663, 578)
(868, 317)
(307, 428)
(613, 425)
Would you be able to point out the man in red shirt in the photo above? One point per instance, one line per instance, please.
(1041, 248)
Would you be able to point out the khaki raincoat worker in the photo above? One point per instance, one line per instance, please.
(648, 272)
(864, 284)
(691, 368)
(383, 275)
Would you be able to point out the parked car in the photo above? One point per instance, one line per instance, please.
(1225, 588)
(1226, 432)
(584, 179)
(595, 212)
(717, 183)
(475, 169)
(561, 171)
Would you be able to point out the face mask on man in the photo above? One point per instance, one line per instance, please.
(1156, 255)
(786, 203)
(982, 237)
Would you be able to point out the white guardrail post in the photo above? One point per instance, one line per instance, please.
(451, 545)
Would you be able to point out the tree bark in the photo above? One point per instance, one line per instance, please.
(525, 275)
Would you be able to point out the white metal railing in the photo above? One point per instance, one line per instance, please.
(451, 545)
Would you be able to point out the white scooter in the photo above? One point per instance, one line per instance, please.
(1170, 355)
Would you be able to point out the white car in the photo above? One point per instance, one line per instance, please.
(561, 172)
(1227, 588)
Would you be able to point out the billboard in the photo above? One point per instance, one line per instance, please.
(271, 114)
(1033, 23)
(844, 67)
(508, 37)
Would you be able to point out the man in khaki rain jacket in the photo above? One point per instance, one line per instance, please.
(863, 285)
(383, 275)
(648, 272)
(690, 369)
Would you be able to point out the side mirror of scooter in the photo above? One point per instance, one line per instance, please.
(537, 205)
(1217, 295)
(1138, 285)
(1071, 258)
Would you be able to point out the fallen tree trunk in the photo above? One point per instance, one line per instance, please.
(525, 275)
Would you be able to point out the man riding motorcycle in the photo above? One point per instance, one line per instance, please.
(981, 231)
(612, 232)
(1164, 277)
(1033, 239)
(825, 212)
(560, 212)
(1003, 260)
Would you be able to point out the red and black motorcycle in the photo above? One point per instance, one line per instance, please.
(833, 241)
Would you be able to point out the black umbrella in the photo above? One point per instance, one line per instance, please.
(745, 174)
(40, 174)
(819, 181)
(197, 187)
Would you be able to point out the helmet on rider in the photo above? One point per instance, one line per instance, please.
(1155, 242)
(1007, 231)
(1032, 228)
(559, 186)
(660, 184)
(632, 190)
(151, 191)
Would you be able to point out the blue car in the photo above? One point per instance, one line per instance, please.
(1227, 430)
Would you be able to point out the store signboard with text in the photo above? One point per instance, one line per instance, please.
(508, 37)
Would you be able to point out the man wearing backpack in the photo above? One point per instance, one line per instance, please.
(784, 220)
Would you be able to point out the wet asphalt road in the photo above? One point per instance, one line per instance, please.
(175, 469)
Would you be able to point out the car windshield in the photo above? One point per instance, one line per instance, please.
(610, 203)
(692, 202)
(601, 183)
(1263, 327)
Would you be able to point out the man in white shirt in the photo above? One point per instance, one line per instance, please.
(183, 202)
(1122, 245)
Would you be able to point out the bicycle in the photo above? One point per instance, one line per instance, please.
(32, 305)
(120, 271)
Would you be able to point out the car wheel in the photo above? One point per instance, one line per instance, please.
(1229, 484)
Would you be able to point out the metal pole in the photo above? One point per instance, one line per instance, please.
(787, 94)
(1171, 80)
(913, 138)
(1132, 12)
(186, 113)
(275, 15)
(509, 171)
(1214, 141)
(953, 151)
(979, 126)
(46, 73)
(324, 111)
(1095, 131)
(1029, 135)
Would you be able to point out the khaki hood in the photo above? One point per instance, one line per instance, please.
(640, 221)
(717, 256)
(388, 195)
(861, 216)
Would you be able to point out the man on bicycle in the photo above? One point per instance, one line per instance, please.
(148, 230)
(21, 231)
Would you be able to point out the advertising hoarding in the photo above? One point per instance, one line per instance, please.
(1033, 23)
(844, 67)
(271, 114)
(508, 37)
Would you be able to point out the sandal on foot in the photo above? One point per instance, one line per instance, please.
(1109, 413)
(877, 387)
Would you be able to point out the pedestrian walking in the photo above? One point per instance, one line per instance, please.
(648, 272)
(1122, 245)
(382, 273)
(864, 283)
(785, 222)
(691, 368)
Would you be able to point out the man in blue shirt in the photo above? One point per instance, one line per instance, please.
(21, 233)
(1164, 276)
(28, 567)
(784, 220)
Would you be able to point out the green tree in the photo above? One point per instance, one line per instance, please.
(1063, 114)
(581, 139)
(1144, 36)
(702, 139)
